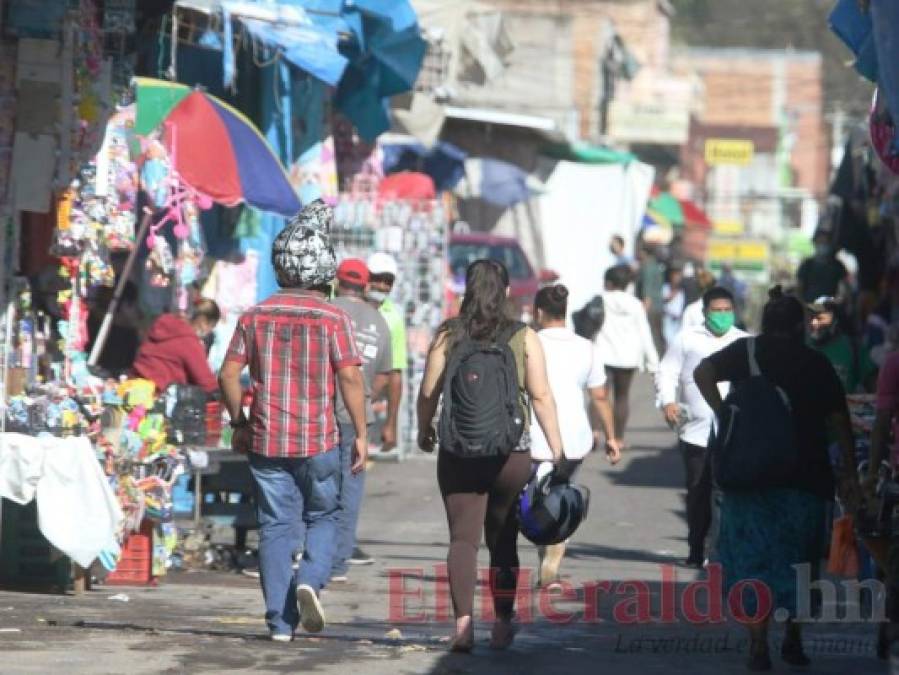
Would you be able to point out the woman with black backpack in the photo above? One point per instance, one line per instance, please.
(483, 368)
(775, 501)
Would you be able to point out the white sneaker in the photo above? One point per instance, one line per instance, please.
(281, 637)
(339, 579)
(312, 616)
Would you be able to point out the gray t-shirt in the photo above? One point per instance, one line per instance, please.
(373, 341)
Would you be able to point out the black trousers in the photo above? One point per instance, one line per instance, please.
(699, 497)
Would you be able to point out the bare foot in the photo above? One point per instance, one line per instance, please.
(503, 634)
(463, 640)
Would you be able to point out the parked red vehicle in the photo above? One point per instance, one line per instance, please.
(524, 280)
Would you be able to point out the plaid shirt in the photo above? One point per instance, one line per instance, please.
(294, 343)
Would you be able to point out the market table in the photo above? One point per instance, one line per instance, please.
(224, 472)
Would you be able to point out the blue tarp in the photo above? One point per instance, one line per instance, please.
(369, 50)
(853, 26)
(309, 48)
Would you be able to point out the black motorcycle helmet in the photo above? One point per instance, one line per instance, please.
(550, 511)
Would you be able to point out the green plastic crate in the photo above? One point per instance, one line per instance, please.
(25, 554)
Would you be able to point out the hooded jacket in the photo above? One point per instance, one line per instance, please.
(626, 339)
(173, 354)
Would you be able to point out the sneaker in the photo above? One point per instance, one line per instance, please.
(312, 616)
(281, 637)
(360, 557)
(251, 571)
(339, 579)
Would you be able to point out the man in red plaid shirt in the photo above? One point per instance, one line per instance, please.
(299, 349)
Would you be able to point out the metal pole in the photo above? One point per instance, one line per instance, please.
(117, 295)
(198, 498)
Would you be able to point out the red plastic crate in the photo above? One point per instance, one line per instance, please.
(135, 567)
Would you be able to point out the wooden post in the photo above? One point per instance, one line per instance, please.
(82, 582)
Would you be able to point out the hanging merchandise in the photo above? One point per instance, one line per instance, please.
(360, 164)
(883, 132)
(119, 16)
(92, 88)
(415, 233)
(314, 174)
(95, 217)
(232, 284)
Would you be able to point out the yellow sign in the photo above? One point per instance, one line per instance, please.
(728, 151)
(739, 250)
(729, 228)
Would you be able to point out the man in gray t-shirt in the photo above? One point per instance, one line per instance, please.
(373, 341)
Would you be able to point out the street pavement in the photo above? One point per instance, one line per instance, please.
(207, 622)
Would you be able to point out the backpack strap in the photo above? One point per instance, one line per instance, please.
(506, 334)
(754, 370)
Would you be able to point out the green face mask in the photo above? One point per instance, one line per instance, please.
(720, 322)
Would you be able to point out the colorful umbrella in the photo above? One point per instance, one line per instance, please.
(214, 148)
(497, 182)
(666, 205)
(694, 216)
(656, 229)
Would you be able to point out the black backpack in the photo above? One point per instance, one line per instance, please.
(755, 445)
(483, 413)
(588, 320)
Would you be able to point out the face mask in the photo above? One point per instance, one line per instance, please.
(822, 250)
(720, 322)
(377, 296)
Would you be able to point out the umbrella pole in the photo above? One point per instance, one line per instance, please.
(100, 341)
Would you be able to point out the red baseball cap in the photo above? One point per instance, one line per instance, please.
(353, 271)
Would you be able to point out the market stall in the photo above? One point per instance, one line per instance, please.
(61, 69)
(144, 439)
(151, 177)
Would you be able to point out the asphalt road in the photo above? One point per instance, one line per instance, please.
(615, 618)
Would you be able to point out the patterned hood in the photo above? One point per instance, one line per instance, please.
(302, 254)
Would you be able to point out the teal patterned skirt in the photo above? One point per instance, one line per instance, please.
(763, 535)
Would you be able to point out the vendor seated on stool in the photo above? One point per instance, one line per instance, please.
(174, 353)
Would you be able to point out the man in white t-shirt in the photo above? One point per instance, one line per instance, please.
(574, 366)
(686, 411)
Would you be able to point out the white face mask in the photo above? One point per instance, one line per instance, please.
(377, 296)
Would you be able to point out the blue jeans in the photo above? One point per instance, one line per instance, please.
(293, 495)
(352, 488)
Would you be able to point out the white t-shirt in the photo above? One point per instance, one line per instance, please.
(694, 316)
(573, 365)
(675, 384)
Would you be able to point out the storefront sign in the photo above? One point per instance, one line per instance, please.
(747, 255)
(729, 228)
(728, 151)
(648, 123)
